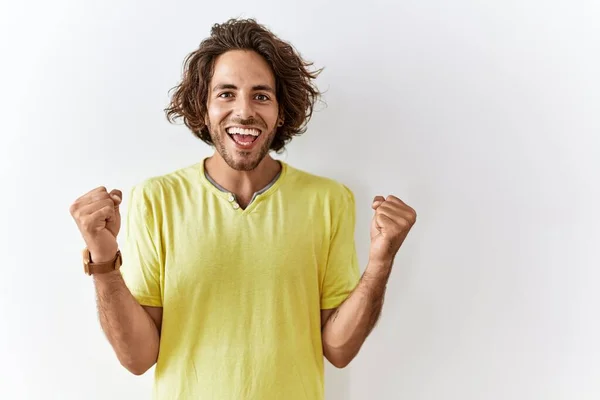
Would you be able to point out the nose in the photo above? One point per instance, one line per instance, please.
(244, 109)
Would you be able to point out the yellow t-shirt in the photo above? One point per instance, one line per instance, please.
(241, 289)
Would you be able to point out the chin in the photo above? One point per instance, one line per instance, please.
(241, 163)
(241, 160)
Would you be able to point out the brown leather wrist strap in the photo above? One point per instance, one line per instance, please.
(91, 268)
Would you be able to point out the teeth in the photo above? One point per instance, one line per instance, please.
(243, 131)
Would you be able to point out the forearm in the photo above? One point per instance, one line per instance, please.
(347, 328)
(128, 327)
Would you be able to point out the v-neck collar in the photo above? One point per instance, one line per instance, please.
(230, 197)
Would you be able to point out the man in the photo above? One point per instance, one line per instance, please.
(239, 273)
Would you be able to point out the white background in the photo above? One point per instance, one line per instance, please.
(484, 116)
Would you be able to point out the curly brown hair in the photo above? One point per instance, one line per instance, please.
(295, 89)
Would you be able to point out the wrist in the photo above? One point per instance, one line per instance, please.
(102, 262)
(380, 263)
(102, 256)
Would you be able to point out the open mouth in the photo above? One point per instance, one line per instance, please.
(243, 136)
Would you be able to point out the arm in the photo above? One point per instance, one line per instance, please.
(132, 330)
(346, 328)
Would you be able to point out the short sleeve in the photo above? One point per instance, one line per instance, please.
(141, 268)
(342, 270)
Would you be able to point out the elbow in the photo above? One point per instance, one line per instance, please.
(136, 367)
(137, 361)
(339, 359)
(340, 354)
(137, 370)
(340, 363)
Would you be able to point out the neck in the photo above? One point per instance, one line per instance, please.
(242, 183)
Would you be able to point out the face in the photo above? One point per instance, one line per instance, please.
(242, 108)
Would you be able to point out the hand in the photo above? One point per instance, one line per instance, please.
(99, 220)
(391, 223)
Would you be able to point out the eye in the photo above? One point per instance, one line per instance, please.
(262, 97)
(225, 95)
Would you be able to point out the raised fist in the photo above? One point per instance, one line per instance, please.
(99, 220)
(391, 223)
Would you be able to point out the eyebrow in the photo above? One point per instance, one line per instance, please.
(223, 86)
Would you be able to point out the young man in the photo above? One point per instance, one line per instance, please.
(239, 273)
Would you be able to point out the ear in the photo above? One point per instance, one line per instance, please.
(280, 118)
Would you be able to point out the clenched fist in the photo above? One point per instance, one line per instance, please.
(391, 223)
(98, 219)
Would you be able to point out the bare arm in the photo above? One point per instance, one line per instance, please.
(132, 330)
(346, 328)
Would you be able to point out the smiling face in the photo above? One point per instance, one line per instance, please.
(242, 108)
